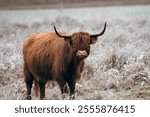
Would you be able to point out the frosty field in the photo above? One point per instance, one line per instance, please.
(119, 63)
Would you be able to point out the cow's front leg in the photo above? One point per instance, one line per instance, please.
(72, 90)
(42, 89)
(63, 87)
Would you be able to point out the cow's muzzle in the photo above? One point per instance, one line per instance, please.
(81, 54)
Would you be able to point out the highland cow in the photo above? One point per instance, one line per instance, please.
(57, 57)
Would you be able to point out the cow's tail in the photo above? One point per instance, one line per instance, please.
(36, 88)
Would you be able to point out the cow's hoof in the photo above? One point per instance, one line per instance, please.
(28, 97)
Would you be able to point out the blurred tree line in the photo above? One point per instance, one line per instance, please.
(38, 2)
(10, 3)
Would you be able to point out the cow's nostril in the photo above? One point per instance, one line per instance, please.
(82, 53)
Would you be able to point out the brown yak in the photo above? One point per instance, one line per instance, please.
(56, 57)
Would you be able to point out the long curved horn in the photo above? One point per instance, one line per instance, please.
(101, 33)
(60, 34)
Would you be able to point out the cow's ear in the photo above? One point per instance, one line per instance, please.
(93, 40)
(68, 39)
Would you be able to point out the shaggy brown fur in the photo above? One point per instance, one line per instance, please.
(49, 57)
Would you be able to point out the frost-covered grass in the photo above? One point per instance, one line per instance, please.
(117, 68)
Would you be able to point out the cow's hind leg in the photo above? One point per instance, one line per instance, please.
(29, 81)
